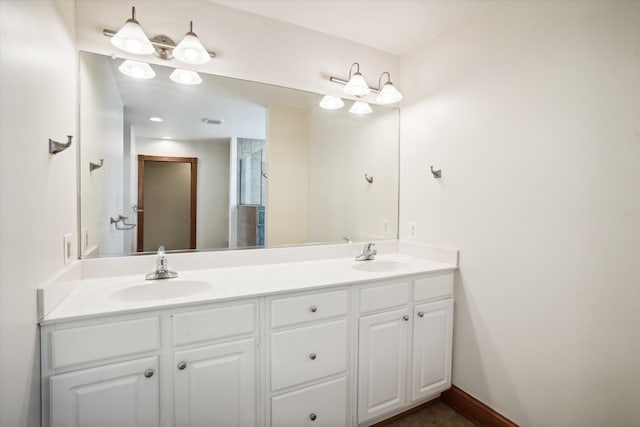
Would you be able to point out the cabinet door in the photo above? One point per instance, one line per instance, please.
(216, 385)
(120, 394)
(382, 368)
(432, 339)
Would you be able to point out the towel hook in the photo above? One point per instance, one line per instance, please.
(56, 147)
(368, 178)
(93, 166)
(436, 174)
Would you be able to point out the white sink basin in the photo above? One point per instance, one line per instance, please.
(159, 290)
(380, 266)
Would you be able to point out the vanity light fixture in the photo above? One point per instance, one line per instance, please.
(331, 103)
(136, 69)
(360, 108)
(185, 77)
(131, 38)
(387, 94)
(190, 50)
(356, 85)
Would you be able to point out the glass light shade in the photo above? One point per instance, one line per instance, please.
(331, 103)
(137, 70)
(357, 86)
(360, 107)
(191, 51)
(389, 94)
(185, 77)
(132, 39)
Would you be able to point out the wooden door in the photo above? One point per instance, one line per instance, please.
(167, 202)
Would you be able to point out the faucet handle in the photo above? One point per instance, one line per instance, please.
(369, 246)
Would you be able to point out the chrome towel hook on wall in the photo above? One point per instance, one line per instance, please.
(93, 166)
(122, 219)
(436, 174)
(55, 147)
(368, 178)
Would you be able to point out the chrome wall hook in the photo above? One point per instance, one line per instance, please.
(436, 174)
(56, 147)
(368, 178)
(122, 219)
(93, 166)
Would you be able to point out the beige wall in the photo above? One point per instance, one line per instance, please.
(532, 111)
(287, 212)
(38, 82)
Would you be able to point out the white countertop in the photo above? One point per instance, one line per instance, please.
(93, 297)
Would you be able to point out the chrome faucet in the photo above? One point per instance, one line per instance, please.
(368, 253)
(162, 268)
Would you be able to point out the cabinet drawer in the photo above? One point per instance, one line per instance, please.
(433, 287)
(215, 323)
(319, 405)
(304, 308)
(384, 296)
(92, 343)
(308, 353)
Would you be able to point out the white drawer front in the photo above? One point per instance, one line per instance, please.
(319, 405)
(304, 308)
(216, 323)
(308, 353)
(99, 342)
(433, 287)
(384, 296)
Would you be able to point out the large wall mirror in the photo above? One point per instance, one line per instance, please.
(227, 163)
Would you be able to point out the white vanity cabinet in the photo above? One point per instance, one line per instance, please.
(308, 342)
(404, 345)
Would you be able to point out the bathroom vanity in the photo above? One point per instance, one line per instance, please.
(324, 342)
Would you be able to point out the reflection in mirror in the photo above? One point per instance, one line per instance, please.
(269, 167)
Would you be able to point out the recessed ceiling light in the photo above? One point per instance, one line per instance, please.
(165, 137)
(156, 119)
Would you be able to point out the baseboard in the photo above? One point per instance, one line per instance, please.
(473, 409)
(405, 413)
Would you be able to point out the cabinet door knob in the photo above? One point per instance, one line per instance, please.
(312, 356)
(313, 309)
(148, 373)
(405, 318)
(313, 417)
(182, 365)
(420, 314)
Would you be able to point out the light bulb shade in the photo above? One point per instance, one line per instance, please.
(191, 51)
(137, 70)
(132, 39)
(185, 77)
(357, 86)
(331, 103)
(360, 107)
(388, 94)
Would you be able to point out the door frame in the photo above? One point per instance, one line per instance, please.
(194, 194)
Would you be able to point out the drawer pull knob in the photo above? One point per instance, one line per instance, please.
(405, 318)
(313, 417)
(312, 356)
(313, 309)
(148, 373)
(182, 365)
(420, 314)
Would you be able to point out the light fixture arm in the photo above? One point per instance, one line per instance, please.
(351, 69)
(380, 79)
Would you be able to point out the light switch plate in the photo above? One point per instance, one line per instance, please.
(67, 248)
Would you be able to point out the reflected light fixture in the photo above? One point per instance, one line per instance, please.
(331, 103)
(356, 85)
(190, 50)
(360, 108)
(156, 119)
(130, 38)
(137, 70)
(185, 77)
(387, 94)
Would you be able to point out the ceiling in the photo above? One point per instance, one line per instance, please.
(394, 26)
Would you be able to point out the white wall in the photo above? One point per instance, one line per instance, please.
(38, 82)
(101, 137)
(212, 213)
(532, 111)
(343, 148)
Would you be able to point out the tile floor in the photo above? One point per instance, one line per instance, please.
(436, 415)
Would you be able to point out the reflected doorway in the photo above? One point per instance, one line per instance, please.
(167, 202)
